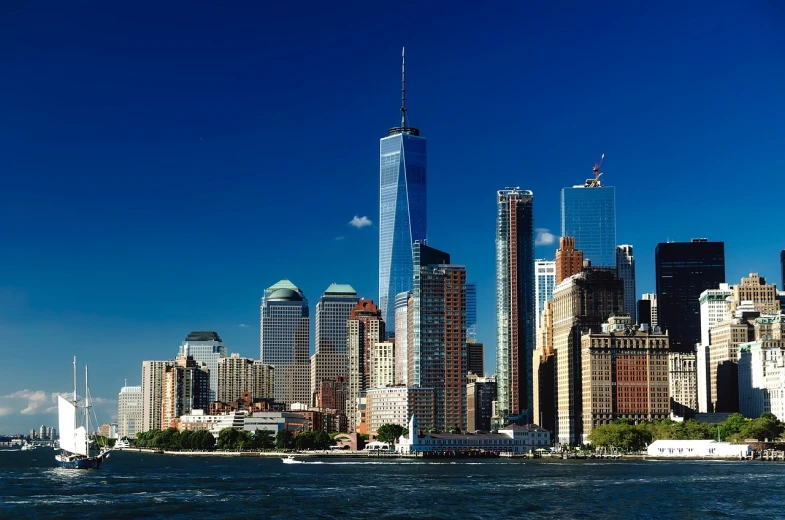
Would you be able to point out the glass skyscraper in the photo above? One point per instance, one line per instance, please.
(205, 346)
(588, 213)
(545, 272)
(402, 210)
(515, 304)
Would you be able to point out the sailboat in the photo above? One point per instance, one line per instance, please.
(74, 438)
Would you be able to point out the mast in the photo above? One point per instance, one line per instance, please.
(403, 88)
(86, 413)
(75, 398)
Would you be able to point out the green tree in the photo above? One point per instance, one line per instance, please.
(204, 440)
(321, 440)
(263, 440)
(305, 441)
(228, 439)
(284, 439)
(389, 433)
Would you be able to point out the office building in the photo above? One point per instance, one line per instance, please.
(652, 299)
(515, 305)
(237, 375)
(545, 279)
(625, 375)
(365, 328)
(402, 338)
(683, 271)
(471, 311)
(480, 395)
(544, 371)
(205, 347)
(754, 290)
(331, 358)
(475, 357)
(130, 409)
(382, 372)
(332, 394)
(762, 378)
(439, 334)
(396, 404)
(588, 214)
(186, 387)
(402, 208)
(683, 383)
(714, 307)
(625, 269)
(569, 261)
(285, 341)
(581, 304)
(152, 393)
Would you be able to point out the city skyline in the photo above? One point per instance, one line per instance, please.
(107, 166)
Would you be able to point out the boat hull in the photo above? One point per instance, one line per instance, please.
(82, 463)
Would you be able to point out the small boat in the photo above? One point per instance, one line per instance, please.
(122, 443)
(28, 447)
(291, 460)
(75, 439)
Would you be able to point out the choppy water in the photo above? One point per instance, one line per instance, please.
(142, 485)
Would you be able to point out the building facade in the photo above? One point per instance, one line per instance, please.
(238, 374)
(285, 341)
(714, 307)
(480, 395)
(475, 357)
(625, 269)
(683, 378)
(402, 338)
(396, 405)
(545, 279)
(205, 347)
(683, 271)
(588, 213)
(130, 410)
(382, 372)
(402, 209)
(365, 328)
(652, 299)
(762, 378)
(332, 394)
(515, 304)
(624, 376)
(152, 394)
(569, 261)
(544, 372)
(186, 387)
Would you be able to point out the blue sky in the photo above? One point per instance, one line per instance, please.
(162, 165)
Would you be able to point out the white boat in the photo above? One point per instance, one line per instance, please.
(74, 438)
(291, 460)
(122, 443)
(28, 447)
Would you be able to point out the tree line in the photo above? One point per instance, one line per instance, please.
(171, 439)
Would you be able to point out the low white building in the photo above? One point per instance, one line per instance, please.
(198, 420)
(509, 439)
(276, 422)
(762, 378)
(698, 448)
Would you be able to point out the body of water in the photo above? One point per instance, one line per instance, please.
(132, 485)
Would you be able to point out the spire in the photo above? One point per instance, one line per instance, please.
(403, 87)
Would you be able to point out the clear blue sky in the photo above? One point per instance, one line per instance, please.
(162, 163)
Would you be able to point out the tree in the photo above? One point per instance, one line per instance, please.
(321, 440)
(228, 439)
(263, 440)
(389, 433)
(284, 440)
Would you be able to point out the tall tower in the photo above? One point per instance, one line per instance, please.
(331, 356)
(569, 261)
(129, 411)
(515, 304)
(588, 213)
(152, 394)
(186, 387)
(625, 269)
(207, 347)
(402, 207)
(364, 328)
(285, 340)
(683, 271)
(238, 374)
(402, 338)
(545, 273)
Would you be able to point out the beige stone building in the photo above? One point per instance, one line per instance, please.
(683, 383)
(364, 329)
(238, 374)
(753, 289)
(382, 365)
(396, 405)
(543, 371)
(186, 387)
(152, 392)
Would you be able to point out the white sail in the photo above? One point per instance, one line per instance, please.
(80, 441)
(67, 422)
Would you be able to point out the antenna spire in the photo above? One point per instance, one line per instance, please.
(403, 88)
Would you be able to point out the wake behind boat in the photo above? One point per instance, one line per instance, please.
(74, 438)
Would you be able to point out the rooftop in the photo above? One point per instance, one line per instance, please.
(284, 283)
(203, 335)
(340, 289)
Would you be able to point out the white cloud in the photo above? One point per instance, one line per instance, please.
(31, 402)
(360, 222)
(544, 237)
(5, 411)
(242, 325)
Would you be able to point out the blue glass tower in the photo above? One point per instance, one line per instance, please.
(402, 208)
(588, 213)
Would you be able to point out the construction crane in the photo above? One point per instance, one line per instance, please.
(595, 182)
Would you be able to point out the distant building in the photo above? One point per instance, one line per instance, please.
(205, 347)
(545, 279)
(402, 353)
(238, 374)
(625, 269)
(130, 411)
(697, 448)
(152, 393)
(365, 328)
(683, 383)
(382, 371)
(471, 311)
(544, 372)
(396, 404)
(644, 312)
(480, 396)
(714, 307)
(186, 387)
(762, 378)
(683, 271)
(652, 299)
(285, 341)
(332, 394)
(569, 261)
(475, 357)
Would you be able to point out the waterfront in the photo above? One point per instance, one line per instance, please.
(136, 485)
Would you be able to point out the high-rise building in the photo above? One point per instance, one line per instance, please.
(545, 279)
(588, 213)
(402, 207)
(382, 371)
(285, 341)
(569, 261)
(331, 358)
(365, 328)
(440, 335)
(625, 269)
(683, 383)
(625, 375)
(207, 347)
(683, 271)
(152, 393)
(714, 307)
(515, 304)
(762, 378)
(480, 395)
(652, 299)
(475, 357)
(186, 387)
(396, 405)
(471, 311)
(543, 374)
(644, 312)
(402, 338)
(332, 394)
(238, 374)
(754, 290)
(581, 304)
(129, 411)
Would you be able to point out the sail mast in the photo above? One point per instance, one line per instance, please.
(75, 398)
(86, 413)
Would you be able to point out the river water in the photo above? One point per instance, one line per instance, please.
(133, 485)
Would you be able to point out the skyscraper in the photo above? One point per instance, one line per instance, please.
(683, 271)
(186, 387)
(569, 261)
(207, 347)
(515, 305)
(152, 392)
(475, 357)
(545, 273)
(588, 213)
(365, 328)
(129, 411)
(652, 299)
(238, 374)
(331, 357)
(471, 311)
(285, 339)
(402, 338)
(625, 269)
(402, 207)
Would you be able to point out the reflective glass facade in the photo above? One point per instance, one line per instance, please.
(589, 215)
(545, 272)
(402, 215)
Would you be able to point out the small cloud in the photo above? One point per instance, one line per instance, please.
(544, 237)
(242, 325)
(360, 222)
(31, 401)
(339, 238)
(5, 411)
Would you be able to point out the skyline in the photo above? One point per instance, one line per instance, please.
(146, 180)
